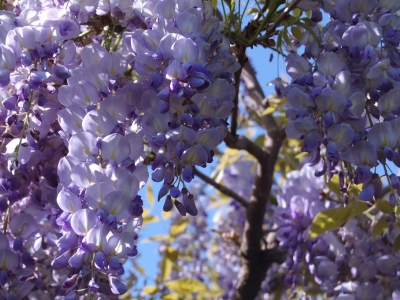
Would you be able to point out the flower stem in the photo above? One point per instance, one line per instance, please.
(21, 135)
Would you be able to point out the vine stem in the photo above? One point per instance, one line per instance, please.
(92, 276)
(7, 218)
(109, 42)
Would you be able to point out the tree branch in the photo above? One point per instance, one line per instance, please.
(221, 188)
(256, 98)
(256, 260)
(240, 55)
(243, 143)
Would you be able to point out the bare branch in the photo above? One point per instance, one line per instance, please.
(221, 188)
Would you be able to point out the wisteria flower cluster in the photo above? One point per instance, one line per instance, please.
(185, 64)
(191, 243)
(347, 102)
(348, 263)
(78, 105)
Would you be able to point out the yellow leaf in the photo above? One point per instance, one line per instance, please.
(301, 155)
(186, 285)
(178, 227)
(268, 111)
(155, 238)
(172, 253)
(333, 218)
(140, 269)
(166, 214)
(253, 10)
(170, 256)
(333, 185)
(214, 3)
(149, 219)
(126, 296)
(149, 193)
(379, 227)
(150, 290)
(172, 296)
(229, 157)
(219, 201)
(357, 209)
(384, 206)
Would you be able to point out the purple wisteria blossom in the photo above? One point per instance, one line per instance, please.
(345, 107)
(78, 109)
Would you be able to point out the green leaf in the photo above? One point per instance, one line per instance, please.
(214, 3)
(150, 290)
(286, 36)
(396, 244)
(279, 292)
(296, 32)
(297, 12)
(178, 227)
(253, 11)
(233, 4)
(186, 285)
(333, 218)
(384, 206)
(279, 41)
(379, 227)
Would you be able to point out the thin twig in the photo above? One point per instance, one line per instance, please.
(240, 55)
(271, 31)
(221, 188)
(283, 15)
